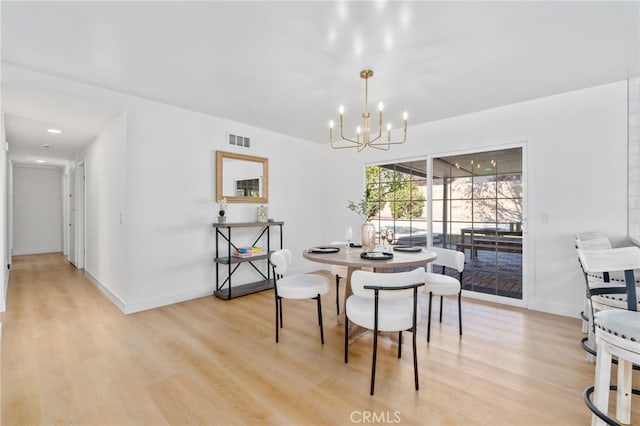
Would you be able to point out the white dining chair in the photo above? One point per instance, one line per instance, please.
(445, 285)
(384, 302)
(297, 286)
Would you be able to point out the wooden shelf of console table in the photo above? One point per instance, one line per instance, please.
(224, 289)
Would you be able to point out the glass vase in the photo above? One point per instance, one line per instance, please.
(368, 236)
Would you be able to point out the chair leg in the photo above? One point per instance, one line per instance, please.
(429, 318)
(281, 323)
(460, 311)
(602, 380)
(441, 297)
(414, 329)
(346, 337)
(338, 294)
(373, 366)
(320, 318)
(623, 393)
(277, 316)
(415, 356)
(400, 344)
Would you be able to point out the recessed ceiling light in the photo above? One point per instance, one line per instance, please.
(56, 131)
(47, 145)
(40, 161)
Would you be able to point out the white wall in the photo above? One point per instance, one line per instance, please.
(4, 240)
(155, 171)
(105, 183)
(576, 151)
(37, 210)
(171, 200)
(575, 147)
(634, 159)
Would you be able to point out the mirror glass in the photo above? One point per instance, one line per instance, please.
(241, 178)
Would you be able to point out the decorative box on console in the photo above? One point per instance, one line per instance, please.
(263, 214)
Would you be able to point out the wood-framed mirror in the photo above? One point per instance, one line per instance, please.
(242, 178)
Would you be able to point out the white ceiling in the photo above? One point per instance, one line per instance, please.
(287, 66)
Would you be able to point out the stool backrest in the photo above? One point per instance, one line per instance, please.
(585, 236)
(603, 261)
(594, 244)
(610, 260)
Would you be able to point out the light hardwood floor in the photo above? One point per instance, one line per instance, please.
(70, 357)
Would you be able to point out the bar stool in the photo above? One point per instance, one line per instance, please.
(617, 334)
(605, 288)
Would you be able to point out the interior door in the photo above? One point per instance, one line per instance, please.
(71, 257)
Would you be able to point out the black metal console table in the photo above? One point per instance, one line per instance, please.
(224, 290)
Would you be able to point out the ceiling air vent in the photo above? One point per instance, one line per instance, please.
(236, 140)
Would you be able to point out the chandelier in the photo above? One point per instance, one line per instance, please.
(364, 137)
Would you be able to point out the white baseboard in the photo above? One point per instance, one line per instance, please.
(149, 303)
(110, 295)
(168, 299)
(43, 251)
(542, 306)
(556, 308)
(5, 285)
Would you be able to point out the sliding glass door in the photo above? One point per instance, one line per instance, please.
(477, 209)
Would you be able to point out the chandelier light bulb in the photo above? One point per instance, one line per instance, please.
(389, 127)
(380, 106)
(405, 116)
(358, 130)
(341, 109)
(331, 124)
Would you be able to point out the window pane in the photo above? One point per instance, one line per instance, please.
(460, 210)
(438, 189)
(399, 192)
(484, 187)
(437, 210)
(509, 186)
(461, 188)
(484, 210)
(510, 210)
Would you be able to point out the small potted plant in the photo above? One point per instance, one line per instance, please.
(367, 210)
(222, 218)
